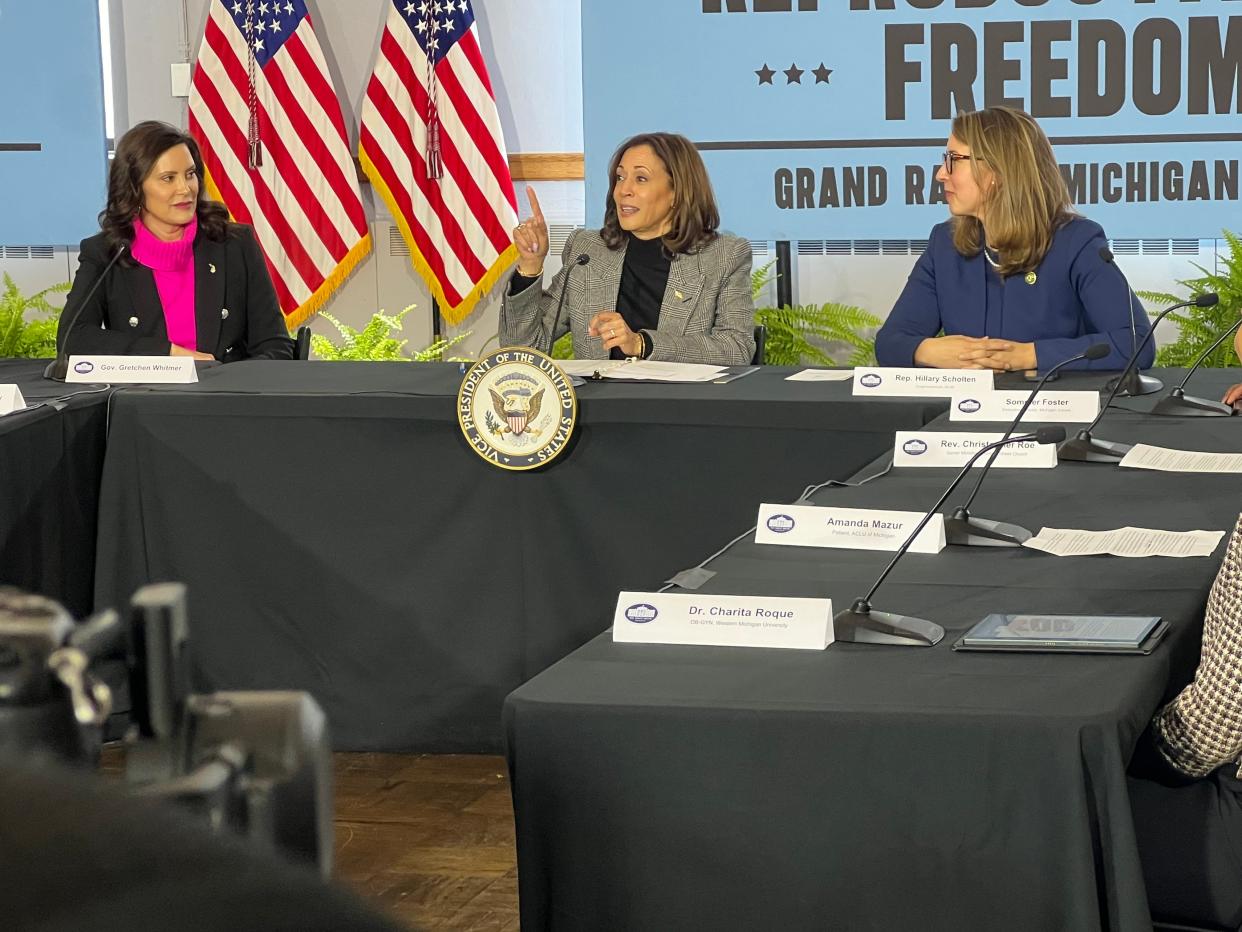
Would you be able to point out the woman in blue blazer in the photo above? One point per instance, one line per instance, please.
(1016, 279)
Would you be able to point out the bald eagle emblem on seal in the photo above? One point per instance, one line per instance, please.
(518, 410)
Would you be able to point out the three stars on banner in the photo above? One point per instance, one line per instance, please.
(793, 74)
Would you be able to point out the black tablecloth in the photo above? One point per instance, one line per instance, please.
(51, 456)
(337, 535)
(867, 787)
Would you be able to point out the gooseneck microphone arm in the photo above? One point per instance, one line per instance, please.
(1177, 402)
(1087, 448)
(861, 624)
(1208, 352)
(582, 259)
(59, 367)
(961, 528)
(1136, 383)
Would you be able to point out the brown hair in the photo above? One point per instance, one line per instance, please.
(136, 154)
(695, 216)
(1025, 196)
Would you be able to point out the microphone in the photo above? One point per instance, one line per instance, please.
(861, 625)
(1178, 402)
(1136, 383)
(59, 367)
(1085, 448)
(962, 528)
(582, 259)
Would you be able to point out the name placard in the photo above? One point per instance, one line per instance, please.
(125, 369)
(944, 448)
(722, 620)
(848, 528)
(1048, 407)
(11, 399)
(940, 383)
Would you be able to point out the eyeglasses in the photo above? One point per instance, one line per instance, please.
(951, 157)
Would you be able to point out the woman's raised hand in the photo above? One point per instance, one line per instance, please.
(531, 238)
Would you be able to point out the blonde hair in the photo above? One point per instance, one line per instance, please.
(1025, 198)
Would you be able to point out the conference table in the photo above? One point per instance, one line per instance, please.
(51, 459)
(869, 787)
(337, 534)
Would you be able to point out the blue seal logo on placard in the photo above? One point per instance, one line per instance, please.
(968, 406)
(915, 447)
(641, 613)
(780, 524)
(870, 380)
(83, 367)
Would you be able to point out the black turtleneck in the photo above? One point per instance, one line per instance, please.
(644, 277)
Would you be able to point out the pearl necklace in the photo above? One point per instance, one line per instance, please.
(992, 262)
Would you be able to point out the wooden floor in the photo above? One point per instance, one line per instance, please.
(428, 838)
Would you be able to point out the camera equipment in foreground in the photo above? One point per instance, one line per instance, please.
(258, 763)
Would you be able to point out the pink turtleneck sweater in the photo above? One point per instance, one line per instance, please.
(173, 267)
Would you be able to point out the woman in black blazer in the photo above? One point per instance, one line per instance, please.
(179, 279)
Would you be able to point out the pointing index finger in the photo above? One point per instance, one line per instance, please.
(535, 212)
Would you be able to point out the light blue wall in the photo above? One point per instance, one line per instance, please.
(50, 69)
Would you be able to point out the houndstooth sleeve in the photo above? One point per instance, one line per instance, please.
(1202, 728)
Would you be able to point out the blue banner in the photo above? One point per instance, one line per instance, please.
(53, 153)
(826, 119)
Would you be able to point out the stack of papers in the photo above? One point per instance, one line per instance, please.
(642, 369)
(1143, 456)
(1125, 542)
(821, 375)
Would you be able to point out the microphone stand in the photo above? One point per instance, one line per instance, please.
(1083, 447)
(861, 624)
(964, 529)
(1135, 383)
(1177, 402)
(58, 368)
(582, 259)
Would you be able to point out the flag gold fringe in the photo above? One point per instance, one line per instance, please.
(454, 314)
(343, 270)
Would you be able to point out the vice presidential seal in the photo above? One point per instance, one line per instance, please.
(516, 408)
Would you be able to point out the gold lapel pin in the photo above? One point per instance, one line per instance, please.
(211, 268)
(1031, 278)
(678, 295)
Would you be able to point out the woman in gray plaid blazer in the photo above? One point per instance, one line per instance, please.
(656, 282)
(1186, 789)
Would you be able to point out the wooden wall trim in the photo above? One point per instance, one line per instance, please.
(546, 166)
(531, 166)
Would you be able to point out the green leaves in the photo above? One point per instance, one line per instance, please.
(20, 338)
(814, 334)
(375, 342)
(819, 335)
(1201, 325)
(564, 347)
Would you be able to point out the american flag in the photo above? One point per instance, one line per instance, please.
(264, 111)
(431, 144)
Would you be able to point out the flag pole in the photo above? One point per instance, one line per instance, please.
(437, 323)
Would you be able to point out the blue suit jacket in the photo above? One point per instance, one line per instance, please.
(1076, 300)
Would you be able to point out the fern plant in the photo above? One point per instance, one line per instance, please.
(375, 342)
(804, 333)
(28, 339)
(1201, 325)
